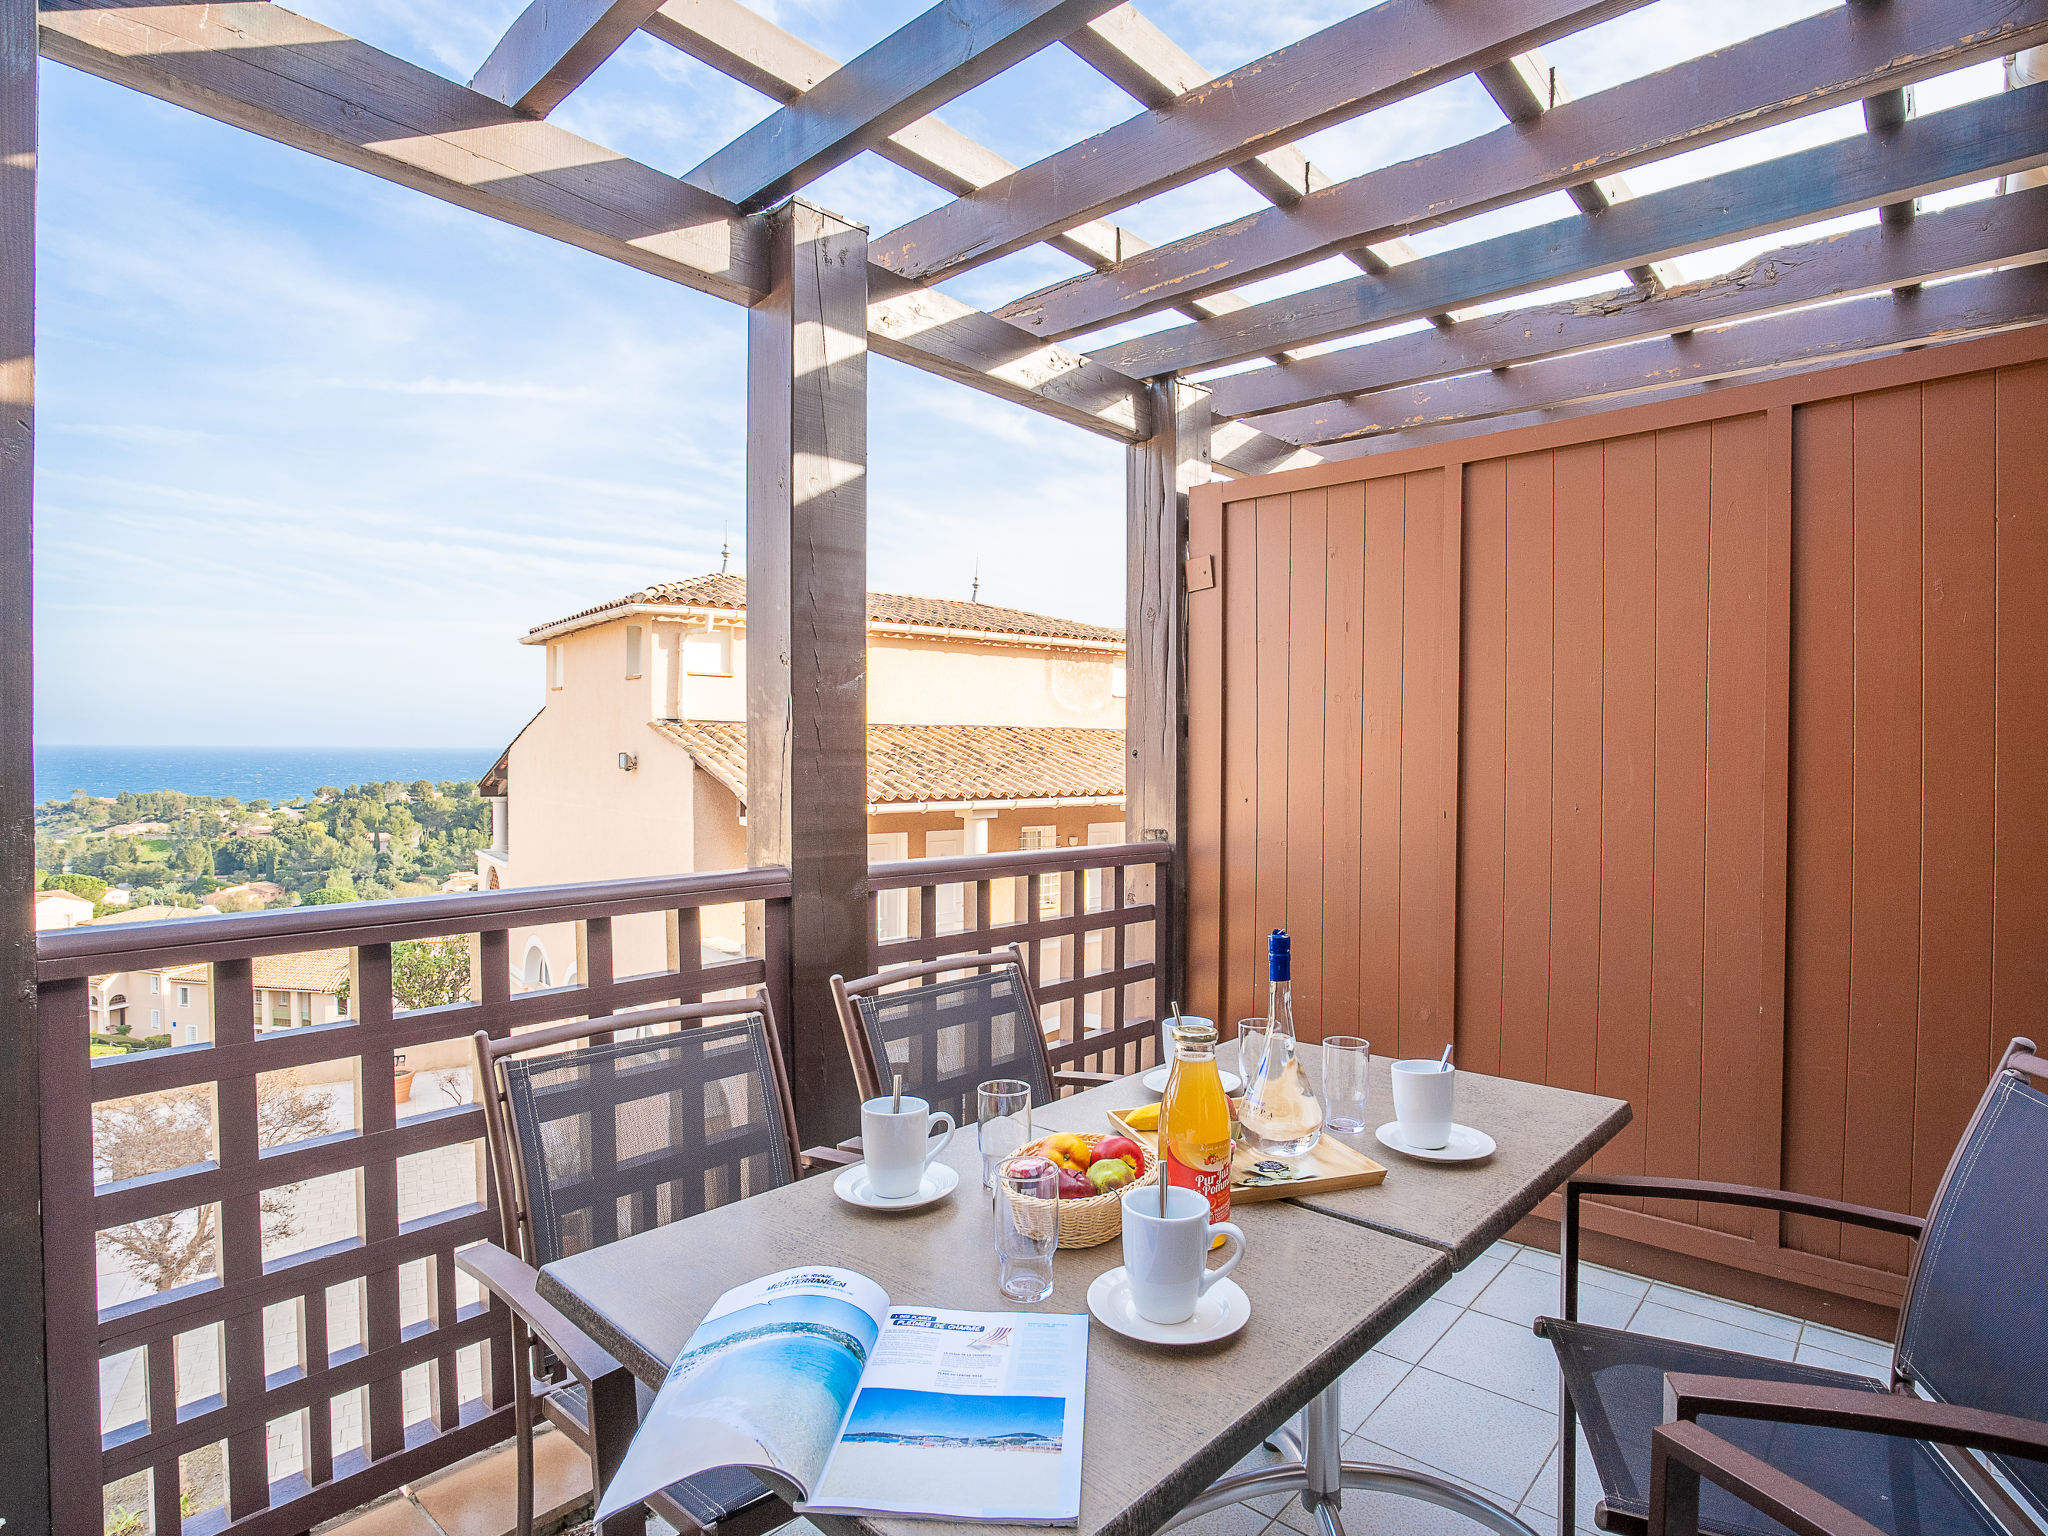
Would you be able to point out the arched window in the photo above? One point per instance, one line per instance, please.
(536, 973)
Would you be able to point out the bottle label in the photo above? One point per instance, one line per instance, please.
(1211, 1182)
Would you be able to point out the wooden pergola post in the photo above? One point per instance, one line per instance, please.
(1160, 471)
(24, 1428)
(807, 401)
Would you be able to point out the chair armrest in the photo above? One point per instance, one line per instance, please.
(1744, 1194)
(512, 1281)
(817, 1159)
(1078, 1079)
(1686, 1397)
(1683, 1454)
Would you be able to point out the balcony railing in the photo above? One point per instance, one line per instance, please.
(305, 1370)
(279, 1329)
(1089, 921)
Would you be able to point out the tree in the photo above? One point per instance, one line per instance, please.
(425, 973)
(157, 1132)
(79, 885)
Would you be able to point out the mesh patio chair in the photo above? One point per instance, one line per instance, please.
(949, 1034)
(1686, 1438)
(591, 1143)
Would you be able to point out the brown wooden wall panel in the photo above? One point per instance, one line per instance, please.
(1696, 754)
(1327, 652)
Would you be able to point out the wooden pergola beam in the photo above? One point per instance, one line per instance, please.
(1393, 50)
(552, 47)
(1973, 142)
(1836, 55)
(939, 54)
(1826, 333)
(263, 68)
(749, 48)
(1975, 235)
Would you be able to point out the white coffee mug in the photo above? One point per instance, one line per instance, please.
(1166, 1257)
(897, 1145)
(1424, 1092)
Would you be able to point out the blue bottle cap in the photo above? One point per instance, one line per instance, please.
(1279, 956)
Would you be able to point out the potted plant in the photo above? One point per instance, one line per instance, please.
(402, 1081)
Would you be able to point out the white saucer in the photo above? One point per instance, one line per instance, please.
(1219, 1314)
(1465, 1146)
(852, 1186)
(1155, 1080)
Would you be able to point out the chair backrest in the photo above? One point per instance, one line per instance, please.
(949, 1033)
(594, 1142)
(1974, 1327)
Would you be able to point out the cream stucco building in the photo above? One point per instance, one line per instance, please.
(989, 728)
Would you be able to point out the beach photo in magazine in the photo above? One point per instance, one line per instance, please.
(999, 1452)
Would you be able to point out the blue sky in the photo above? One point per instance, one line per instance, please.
(314, 449)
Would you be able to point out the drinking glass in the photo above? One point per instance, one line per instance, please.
(1251, 1046)
(1027, 1227)
(1347, 1066)
(1004, 1109)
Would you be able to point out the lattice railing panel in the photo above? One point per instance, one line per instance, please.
(269, 1287)
(1089, 920)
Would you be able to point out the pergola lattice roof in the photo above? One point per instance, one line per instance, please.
(489, 147)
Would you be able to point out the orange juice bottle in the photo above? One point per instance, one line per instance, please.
(1194, 1119)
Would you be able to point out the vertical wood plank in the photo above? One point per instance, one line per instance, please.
(1577, 651)
(1240, 573)
(1823, 755)
(1271, 667)
(1954, 1051)
(1628, 713)
(240, 1237)
(1672, 1140)
(1525, 925)
(807, 628)
(1732, 1139)
(1206, 744)
(1884, 915)
(63, 1234)
(1379, 939)
(1306, 703)
(1768, 1110)
(1482, 716)
(1342, 756)
(25, 1450)
(1159, 473)
(1429, 749)
(2019, 995)
(377, 1109)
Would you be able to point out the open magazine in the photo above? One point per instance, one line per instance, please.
(846, 1405)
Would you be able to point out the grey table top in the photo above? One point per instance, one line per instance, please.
(1544, 1135)
(1161, 1425)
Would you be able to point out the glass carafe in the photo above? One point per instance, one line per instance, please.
(1280, 1114)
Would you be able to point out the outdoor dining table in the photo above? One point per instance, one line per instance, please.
(1164, 1427)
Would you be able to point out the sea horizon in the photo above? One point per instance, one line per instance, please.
(245, 772)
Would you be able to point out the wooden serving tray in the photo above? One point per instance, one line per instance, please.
(1331, 1166)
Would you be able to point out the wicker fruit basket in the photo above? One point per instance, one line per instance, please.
(1083, 1223)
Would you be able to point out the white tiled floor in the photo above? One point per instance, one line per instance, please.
(1465, 1390)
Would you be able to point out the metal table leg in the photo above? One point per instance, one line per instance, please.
(1316, 1470)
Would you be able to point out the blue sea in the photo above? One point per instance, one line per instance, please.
(247, 773)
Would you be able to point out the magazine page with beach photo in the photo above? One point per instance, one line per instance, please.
(844, 1405)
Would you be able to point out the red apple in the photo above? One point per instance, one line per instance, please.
(1124, 1147)
(1074, 1186)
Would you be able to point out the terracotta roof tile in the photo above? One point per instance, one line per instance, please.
(317, 970)
(884, 608)
(908, 764)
